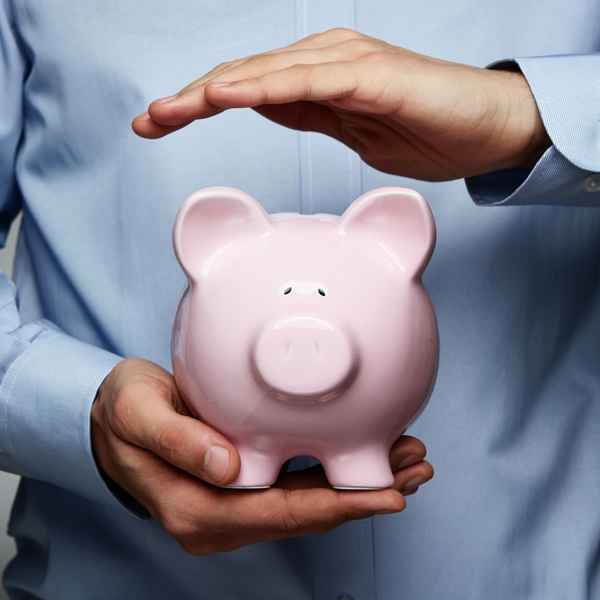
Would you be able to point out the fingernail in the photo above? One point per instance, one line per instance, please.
(409, 491)
(165, 99)
(216, 463)
(411, 459)
(220, 83)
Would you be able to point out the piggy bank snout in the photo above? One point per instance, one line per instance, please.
(304, 357)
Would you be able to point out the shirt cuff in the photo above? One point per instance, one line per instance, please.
(568, 173)
(567, 94)
(46, 397)
(553, 181)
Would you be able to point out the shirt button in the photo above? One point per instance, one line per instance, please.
(344, 596)
(592, 183)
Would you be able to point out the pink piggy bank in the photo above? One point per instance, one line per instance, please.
(306, 334)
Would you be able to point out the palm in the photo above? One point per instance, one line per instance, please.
(381, 141)
(416, 136)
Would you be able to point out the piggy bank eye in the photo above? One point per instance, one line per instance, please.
(321, 292)
(287, 291)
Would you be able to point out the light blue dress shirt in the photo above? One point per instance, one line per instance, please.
(513, 426)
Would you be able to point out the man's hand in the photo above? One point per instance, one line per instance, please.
(146, 442)
(402, 112)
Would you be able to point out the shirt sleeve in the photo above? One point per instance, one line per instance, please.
(566, 89)
(48, 379)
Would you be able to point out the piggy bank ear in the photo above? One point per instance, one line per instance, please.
(212, 218)
(397, 219)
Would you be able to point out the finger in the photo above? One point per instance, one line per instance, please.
(206, 518)
(407, 451)
(408, 480)
(145, 416)
(276, 60)
(311, 41)
(314, 41)
(327, 81)
(194, 103)
(346, 43)
(282, 512)
(145, 127)
(148, 128)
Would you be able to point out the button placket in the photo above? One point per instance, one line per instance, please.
(331, 178)
(330, 173)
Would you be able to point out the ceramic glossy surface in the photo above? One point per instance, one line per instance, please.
(306, 334)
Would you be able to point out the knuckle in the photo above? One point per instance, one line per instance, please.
(413, 442)
(422, 450)
(343, 33)
(359, 46)
(351, 514)
(182, 529)
(160, 388)
(168, 441)
(120, 412)
(128, 461)
(345, 511)
(126, 401)
(313, 36)
(376, 56)
(252, 58)
(429, 471)
(290, 523)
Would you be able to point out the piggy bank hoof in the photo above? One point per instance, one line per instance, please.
(366, 468)
(258, 470)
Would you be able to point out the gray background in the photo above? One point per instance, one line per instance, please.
(8, 483)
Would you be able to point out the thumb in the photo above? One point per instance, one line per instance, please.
(150, 419)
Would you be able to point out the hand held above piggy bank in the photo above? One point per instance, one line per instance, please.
(306, 334)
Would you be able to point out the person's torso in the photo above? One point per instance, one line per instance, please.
(513, 426)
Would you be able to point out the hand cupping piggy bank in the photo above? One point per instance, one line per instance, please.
(306, 334)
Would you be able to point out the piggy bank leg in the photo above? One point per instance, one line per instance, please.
(257, 469)
(366, 468)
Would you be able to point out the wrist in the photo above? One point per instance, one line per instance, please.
(101, 455)
(522, 136)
